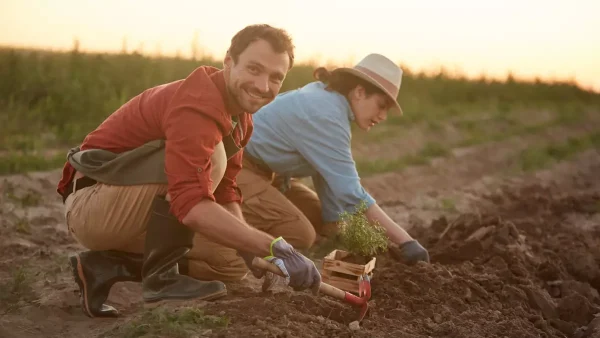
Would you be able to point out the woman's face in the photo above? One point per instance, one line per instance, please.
(368, 110)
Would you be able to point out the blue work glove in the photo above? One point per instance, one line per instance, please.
(410, 252)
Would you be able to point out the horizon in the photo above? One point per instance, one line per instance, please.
(538, 39)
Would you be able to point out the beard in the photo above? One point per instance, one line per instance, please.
(249, 98)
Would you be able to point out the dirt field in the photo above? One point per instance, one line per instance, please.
(512, 256)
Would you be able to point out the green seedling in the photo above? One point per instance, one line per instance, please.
(361, 237)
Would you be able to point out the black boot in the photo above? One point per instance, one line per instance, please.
(167, 242)
(95, 273)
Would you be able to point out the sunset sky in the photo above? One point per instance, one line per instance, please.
(550, 39)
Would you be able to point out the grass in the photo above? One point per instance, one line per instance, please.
(164, 322)
(430, 150)
(51, 100)
(17, 289)
(30, 198)
(22, 226)
(54, 267)
(540, 157)
(483, 125)
(19, 163)
(448, 204)
(474, 131)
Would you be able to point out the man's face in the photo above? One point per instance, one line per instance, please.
(257, 76)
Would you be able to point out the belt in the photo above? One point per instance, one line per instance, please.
(258, 164)
(283, 186)
(78, 184)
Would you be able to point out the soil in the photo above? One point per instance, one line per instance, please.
(356, 259)
(519, 257)
(522, 270)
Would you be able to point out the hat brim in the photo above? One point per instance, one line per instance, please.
(395, 108)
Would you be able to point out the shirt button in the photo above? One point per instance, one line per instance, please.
(199, 170)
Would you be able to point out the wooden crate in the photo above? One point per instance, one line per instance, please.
(344, 275)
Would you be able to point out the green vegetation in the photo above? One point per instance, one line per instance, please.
(360, 237)
(540, 157)
(51, 100)
(429, 151)
(25, 198)
(448, 204)
(14, 162)
(162, 322)
(16, 289)
(22, 226)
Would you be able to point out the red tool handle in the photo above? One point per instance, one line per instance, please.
(323, 288)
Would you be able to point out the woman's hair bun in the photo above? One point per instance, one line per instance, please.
(322, 74)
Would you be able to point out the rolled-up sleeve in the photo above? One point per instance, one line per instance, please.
(337, 183)
(191, 135)
(228, 191)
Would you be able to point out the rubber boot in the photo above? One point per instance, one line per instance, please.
(97, 271)
(167, 242)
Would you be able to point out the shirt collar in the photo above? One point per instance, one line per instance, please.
(344, 101)
(341, 99)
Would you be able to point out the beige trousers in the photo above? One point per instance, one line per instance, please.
(295, 215)
(109, 217)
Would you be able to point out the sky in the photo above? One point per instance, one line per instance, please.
(530, 38)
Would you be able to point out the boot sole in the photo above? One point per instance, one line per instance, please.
(77, 270)
(212, 296)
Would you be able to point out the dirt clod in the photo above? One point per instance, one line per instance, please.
(540, 300)
(575, 308)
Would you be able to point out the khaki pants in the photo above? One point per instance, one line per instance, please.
(109, 217)
(295, 216)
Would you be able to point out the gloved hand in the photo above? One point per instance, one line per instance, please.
(270, 278)
(410, 252)
(301, 273)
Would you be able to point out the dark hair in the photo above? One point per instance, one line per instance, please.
(343, 82)
(278, 38)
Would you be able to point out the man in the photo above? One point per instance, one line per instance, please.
(153, 188)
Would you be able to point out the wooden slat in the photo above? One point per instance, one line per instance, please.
(348, 268)
(326, 273)
(344, 284)
(370, 266)
(350, 273)
(331, 255)
(340, 279)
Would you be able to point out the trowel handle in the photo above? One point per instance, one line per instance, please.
(323, 288)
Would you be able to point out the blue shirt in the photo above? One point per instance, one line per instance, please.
(306, 132)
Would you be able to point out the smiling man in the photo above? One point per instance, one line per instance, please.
(152, 191)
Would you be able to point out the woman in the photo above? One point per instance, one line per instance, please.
(306, 133)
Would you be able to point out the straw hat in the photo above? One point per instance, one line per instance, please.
(380, 71)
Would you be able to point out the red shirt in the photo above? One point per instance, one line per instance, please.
(192, 115)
